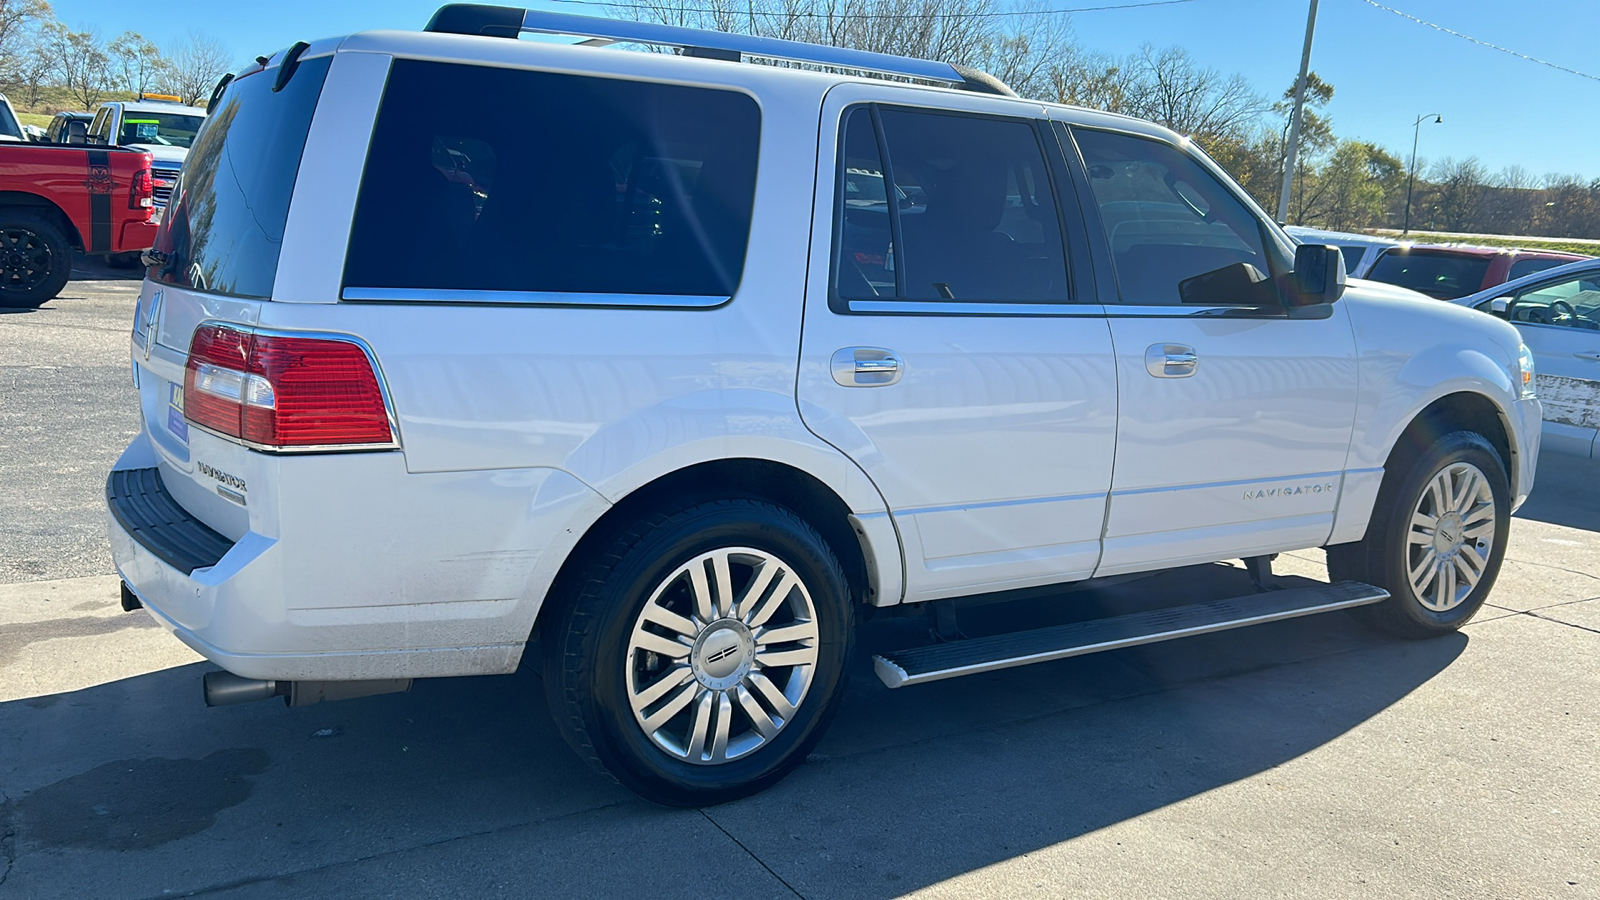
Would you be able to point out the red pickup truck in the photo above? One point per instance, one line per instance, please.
(54, 200)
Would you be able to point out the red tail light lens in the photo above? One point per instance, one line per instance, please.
(279, 391)
(142, 193)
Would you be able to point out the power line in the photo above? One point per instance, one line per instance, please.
(1468, 37)
(650, 7)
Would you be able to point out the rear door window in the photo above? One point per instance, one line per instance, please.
(223, 233)
(490, 179)
(964, 211)
(1530, 265)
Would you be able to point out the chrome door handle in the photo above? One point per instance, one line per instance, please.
(866, 367)
(1588, 354)
(1171, 360)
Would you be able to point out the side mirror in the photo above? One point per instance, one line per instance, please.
(1500, 306)
(1318, 274)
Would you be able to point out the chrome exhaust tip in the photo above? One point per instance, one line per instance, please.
(226, 689)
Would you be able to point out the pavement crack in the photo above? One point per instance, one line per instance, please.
(1559, 622)
(1529, 562)
(759, 861)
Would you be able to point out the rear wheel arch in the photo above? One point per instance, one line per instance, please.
(819, 505)
(22, 201)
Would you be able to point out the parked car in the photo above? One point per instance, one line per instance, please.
(1360, 250)
(158, 124)
(11, 128)
(1557, 311)
(677, 387)
(54, 200)
(1448, 271)
(69, 128)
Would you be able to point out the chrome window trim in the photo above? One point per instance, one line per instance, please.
(394, 442)
(1186, 312)
(970, 308)
(532, 298)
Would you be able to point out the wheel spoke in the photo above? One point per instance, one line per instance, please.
(1481, 513)
(770, 693)
(799, 631)
(661, 686)
(758, 717)
(1472, 563)
(655, 643)
(1420, 572)
(701, 728)
(802, 656)
(1446, 597)
(653, 722)
(666, 618)
(779, 595)
(722, 585)
(705, 608)
(719, 741)
(1436, 491)
(1469, 490)
(756, 590)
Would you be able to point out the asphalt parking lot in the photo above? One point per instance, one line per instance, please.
(1301, 759)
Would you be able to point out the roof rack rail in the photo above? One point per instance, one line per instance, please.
(509, 22)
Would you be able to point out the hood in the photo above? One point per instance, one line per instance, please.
(162, 152)
(1386, 290)
(1402, 311)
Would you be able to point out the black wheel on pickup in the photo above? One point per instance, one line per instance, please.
(703, 652)
(35, 260)
(1437, 537)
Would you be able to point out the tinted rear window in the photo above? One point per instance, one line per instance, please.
(494, 179)
(223, 233)
(1439, 274)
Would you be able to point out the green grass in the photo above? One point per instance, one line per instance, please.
(1587, 249)
(40, 119)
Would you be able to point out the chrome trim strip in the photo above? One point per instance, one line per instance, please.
(622, 31)
(1222, 484)
(1130, 311)
(372, 359)
(952, 308)
(532, 298)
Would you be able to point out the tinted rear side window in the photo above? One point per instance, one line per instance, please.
(223, 233)
(1533, 264)
(1442, 275)
(506, 180)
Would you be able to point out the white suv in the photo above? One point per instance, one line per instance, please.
(675, 364)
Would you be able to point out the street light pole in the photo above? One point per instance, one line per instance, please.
(1294, 120)
(1416, 132)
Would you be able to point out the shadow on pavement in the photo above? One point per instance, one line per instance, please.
(1554, 501)
(133, 788)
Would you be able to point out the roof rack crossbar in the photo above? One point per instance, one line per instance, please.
(504, 21)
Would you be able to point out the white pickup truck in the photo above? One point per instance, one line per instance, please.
(667, 366)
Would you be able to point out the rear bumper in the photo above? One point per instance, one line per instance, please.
(348, 589)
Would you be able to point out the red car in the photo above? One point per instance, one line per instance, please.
(57, 199)
(1448, 271)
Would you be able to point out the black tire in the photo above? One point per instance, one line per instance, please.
(1385, 556)
(592, 672)
(35, 261)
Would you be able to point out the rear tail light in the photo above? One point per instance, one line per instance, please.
(142, 193)
(277, 391)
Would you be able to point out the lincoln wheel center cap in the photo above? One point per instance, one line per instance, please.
(1448, 537)
(722, 654)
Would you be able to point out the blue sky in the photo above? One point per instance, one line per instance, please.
(1385, 70)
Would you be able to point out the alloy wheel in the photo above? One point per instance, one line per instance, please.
(1451, 537)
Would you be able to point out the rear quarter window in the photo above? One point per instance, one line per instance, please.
(489, 179)
(223, 233)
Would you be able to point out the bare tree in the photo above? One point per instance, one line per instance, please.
(34, 64)
(1460, 189)
(1167, 86)
(194, 66)
(17, 17)
(81, 62)
(136, 62)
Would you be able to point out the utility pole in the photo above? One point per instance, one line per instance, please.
(1294, 120)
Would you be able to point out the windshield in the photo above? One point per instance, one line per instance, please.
(160, 129)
